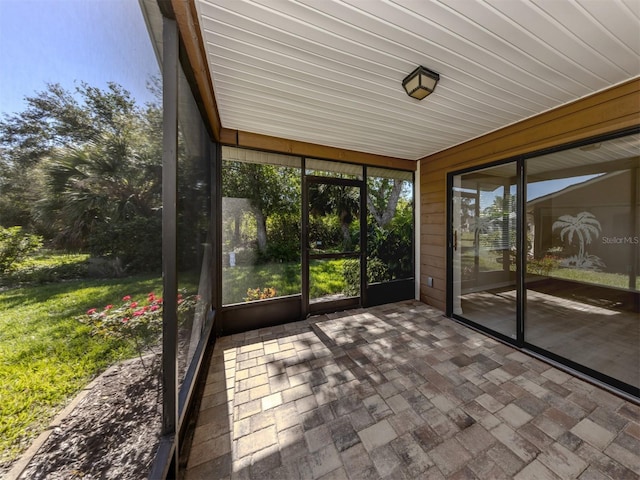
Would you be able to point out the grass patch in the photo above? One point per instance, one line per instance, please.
(284, 277)
(46, 266)
(618, 280)
(47, 355)
(325, 277)
(49, 259)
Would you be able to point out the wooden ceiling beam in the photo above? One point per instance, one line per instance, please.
(190, 33)
(295, 147)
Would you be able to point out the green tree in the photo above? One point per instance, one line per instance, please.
(20, 188)
(270, 190)
(382, 198)
(501, 207)
(343, 201)
(82, 163)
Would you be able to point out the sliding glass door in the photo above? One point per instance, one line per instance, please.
(483, 220)
(582, 296)
(544, 252)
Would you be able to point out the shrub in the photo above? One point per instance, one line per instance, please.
(326, 230)
(15, 245)
(393, 245)
(542, 266)
(32, 272)
(283, 239)
(136, 241)
(377, 271)
(137, 321)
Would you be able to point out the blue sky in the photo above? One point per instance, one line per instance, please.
(540, 189)
(535, 190)
(68, 41)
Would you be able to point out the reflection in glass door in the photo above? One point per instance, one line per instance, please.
(581, 279)
(483, 218)
(333, 242)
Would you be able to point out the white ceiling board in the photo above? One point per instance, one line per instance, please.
(329, 71)
(559, 40)
(591, 31)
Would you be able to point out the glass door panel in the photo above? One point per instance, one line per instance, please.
(484, 247)
(333, 279)
(582, 263)
(333, 240)
(334, 218)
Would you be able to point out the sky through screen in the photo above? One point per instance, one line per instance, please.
(70, 41)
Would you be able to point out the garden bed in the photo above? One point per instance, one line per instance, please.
(112, 432)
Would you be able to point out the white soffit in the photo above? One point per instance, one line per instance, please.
(329, 72)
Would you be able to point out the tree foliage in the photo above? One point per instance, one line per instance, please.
(15, 244)
(341, 201)
(382, 198)
(270, 190)
(79, 163)
(392, 244)
(80, 166)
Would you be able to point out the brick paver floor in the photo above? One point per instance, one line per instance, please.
(401, 392)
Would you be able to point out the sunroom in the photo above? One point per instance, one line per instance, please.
(504, 194)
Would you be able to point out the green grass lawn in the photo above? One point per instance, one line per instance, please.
(47, 355)
(47, 266)
(51, 259)
(492, 262)
(284, 277)
(326, 278)
(618, 280)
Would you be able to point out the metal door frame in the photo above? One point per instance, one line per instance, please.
(306, 256)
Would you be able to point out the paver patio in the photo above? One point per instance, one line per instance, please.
(399, 391)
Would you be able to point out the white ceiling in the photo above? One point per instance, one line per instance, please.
(330, 71)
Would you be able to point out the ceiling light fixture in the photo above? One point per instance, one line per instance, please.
(420, 83)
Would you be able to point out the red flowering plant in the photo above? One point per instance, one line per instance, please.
(137, 320)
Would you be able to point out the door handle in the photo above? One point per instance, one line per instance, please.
(455, 240)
